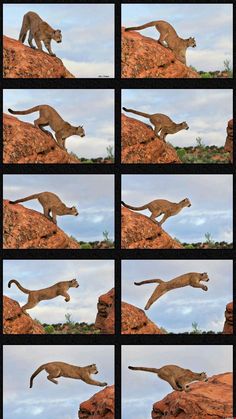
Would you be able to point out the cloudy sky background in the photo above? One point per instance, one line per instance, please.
(210, 24)
(206, 111)
(178, 309)
(92, 108)
(210, 196)
(95, 277)
(87, 48)
(41, 401)
(142, 389)
(93, 195)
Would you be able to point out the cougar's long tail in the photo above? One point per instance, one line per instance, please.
(31, 110)
(137, 28)
(28, 198)
(14, 281)
(134, 208)
(155, 370)
(24, 28)
(146, 115)
(41, 368)
(149, 281)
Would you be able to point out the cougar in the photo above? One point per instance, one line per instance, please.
(192, 278)
(169, 38)
(162, 123)
(161, 206)
(48, 116)
(61, 369)
(179, 378)
(39, 31)
(50, 203)
(34, 297)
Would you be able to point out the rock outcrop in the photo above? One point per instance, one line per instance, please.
(143, 57)
(211, 400)
(135, 322)
(105, 320)
(100, 406)
(228, 326)
(16, 322)
(20, 61)
(24, 228)
(229, 140)
(140, 145)
(139, 232)
(24, 143)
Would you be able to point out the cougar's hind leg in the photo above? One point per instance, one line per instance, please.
(53, 372)
(30, 39)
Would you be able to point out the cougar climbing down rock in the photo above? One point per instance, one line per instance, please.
(179, 378)
(162, 123)
(39, 31)
(169, 38)
(48, 116)
(193, 279)
(50, 203)
(161, 206)
(34, 297)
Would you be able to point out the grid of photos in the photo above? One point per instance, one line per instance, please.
(118, 215)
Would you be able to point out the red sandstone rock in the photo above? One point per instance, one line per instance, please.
(24, 143)
(140, 145)
(16, 322)
(211, 400)
(135, 322)
(24, 228)
(139, 232)
(229, 140)
(228, 326)
(105, 320)
(144, 57)
(99, 406)
(20, 61)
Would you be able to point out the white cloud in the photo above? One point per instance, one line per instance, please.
(89, 69)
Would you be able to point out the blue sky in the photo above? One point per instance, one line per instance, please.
(141, 389)
(93, 195)
(92, 108)
(95, 277)
(87, 48)
(20, 361)
(207, 112)
(178, 309)
(210, 24)
(210, 195)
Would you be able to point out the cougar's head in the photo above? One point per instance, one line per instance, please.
(80, 131)
(184, 125)
(57, 36)
(203, 376)
(74, 283)
(205, 276)
(74, 211)
(186, 202)
(192, 42)
(93, 369)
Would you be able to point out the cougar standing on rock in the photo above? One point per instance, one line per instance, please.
(34, 297)
(162, 123)
(192, 278)
(169, 38)
(39, 31)
(161, 206)
(61, 369)
(48, 116)
(50, 203)
(179, 378)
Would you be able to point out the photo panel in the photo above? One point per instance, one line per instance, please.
(173, 126)
(46, 41)
(84, 375)
(161, 40)
(190, 297)
(149, 392)
(58, 297)
(86, 201)
(75, 126)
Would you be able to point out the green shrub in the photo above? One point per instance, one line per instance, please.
(49, 329)
(86, 246)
